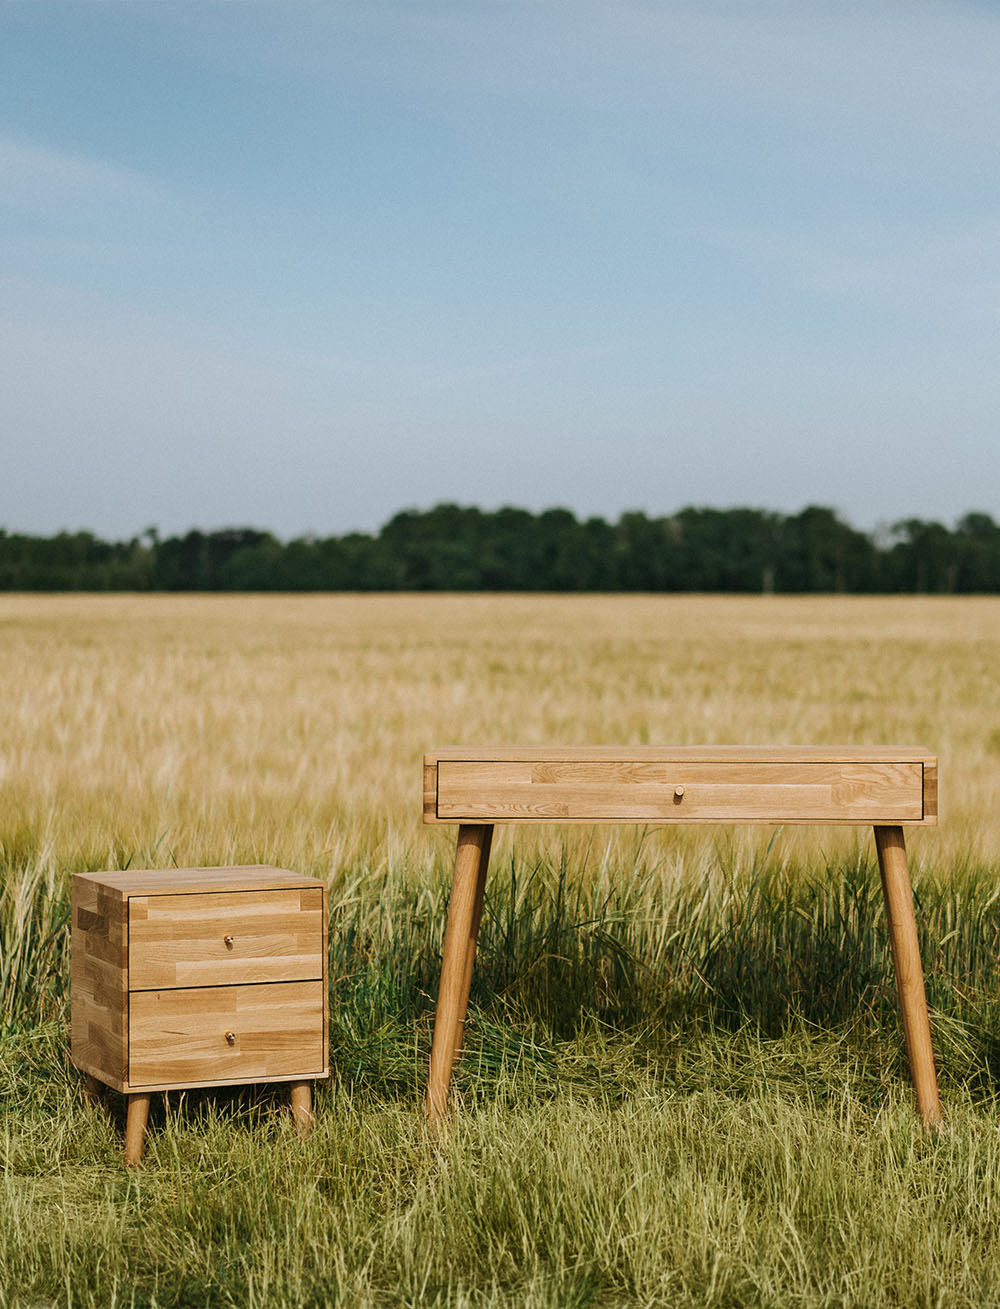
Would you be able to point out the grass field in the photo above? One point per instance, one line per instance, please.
(684, 1083)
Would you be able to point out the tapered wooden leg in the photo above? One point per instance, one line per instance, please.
(135, 1127)
(93, 1089)
(909, 973)
(470, 953)
(302, 1112)
(465, 909)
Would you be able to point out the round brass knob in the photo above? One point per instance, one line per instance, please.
(678, 791)
(231, 1038)
(229, 942)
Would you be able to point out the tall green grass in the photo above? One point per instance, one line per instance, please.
(752, 1171)
(755, 945)
(684, 1085)
(737, 941)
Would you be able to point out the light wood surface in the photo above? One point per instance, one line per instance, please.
(99, 982)
(168, 881)
(464, 909)
(458, 1044)
(324, 978)
(930, 791)
(198, 977)
(898, 894)
(224, 937)
(694, 784)
(696, 792)
(225, 1034)
(302, 1111)
(135, 1127)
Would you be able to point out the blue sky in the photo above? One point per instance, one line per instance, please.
(300, 265)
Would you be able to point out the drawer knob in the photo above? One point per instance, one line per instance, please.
(678, 792)
(231, 1038)
(229, 942)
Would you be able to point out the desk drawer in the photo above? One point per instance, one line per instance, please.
(226, 1033)
(222, 937)
(610, 790)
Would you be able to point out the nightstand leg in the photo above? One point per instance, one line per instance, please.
(93, 1089)
(465, 908)
(302, 1112)
(909, 973)
(135, 1127)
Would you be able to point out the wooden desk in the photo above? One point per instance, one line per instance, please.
(478, 786)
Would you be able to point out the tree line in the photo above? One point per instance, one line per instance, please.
(457, 548)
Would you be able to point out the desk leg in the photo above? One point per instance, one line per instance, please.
(470, 953)
(909, 973)
(472, 855)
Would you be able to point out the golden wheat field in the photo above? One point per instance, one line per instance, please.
(237, 728)
(683, 1082)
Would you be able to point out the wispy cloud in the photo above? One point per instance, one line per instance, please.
(40, 175)
(376, 241)
(935, 274)
(914, 66)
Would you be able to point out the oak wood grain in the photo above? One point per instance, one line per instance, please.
(930, 790)
(167, 881)
(898, 895)
(465, 907)
(223, 937)
(276, 920)
(679, 753)
(135, 1128)
(98, 982)
(690, 785)
(226, 1033)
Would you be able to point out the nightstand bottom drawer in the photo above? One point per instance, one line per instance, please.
(210, 1034)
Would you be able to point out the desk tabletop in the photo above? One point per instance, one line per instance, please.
(713, 753)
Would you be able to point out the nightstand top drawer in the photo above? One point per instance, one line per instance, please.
(223, 937)
(216, 1034)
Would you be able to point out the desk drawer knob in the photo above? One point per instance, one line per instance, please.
(228, 941)
(231, 1038)
(678, 792)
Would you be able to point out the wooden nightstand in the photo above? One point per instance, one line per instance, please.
(198, 977)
